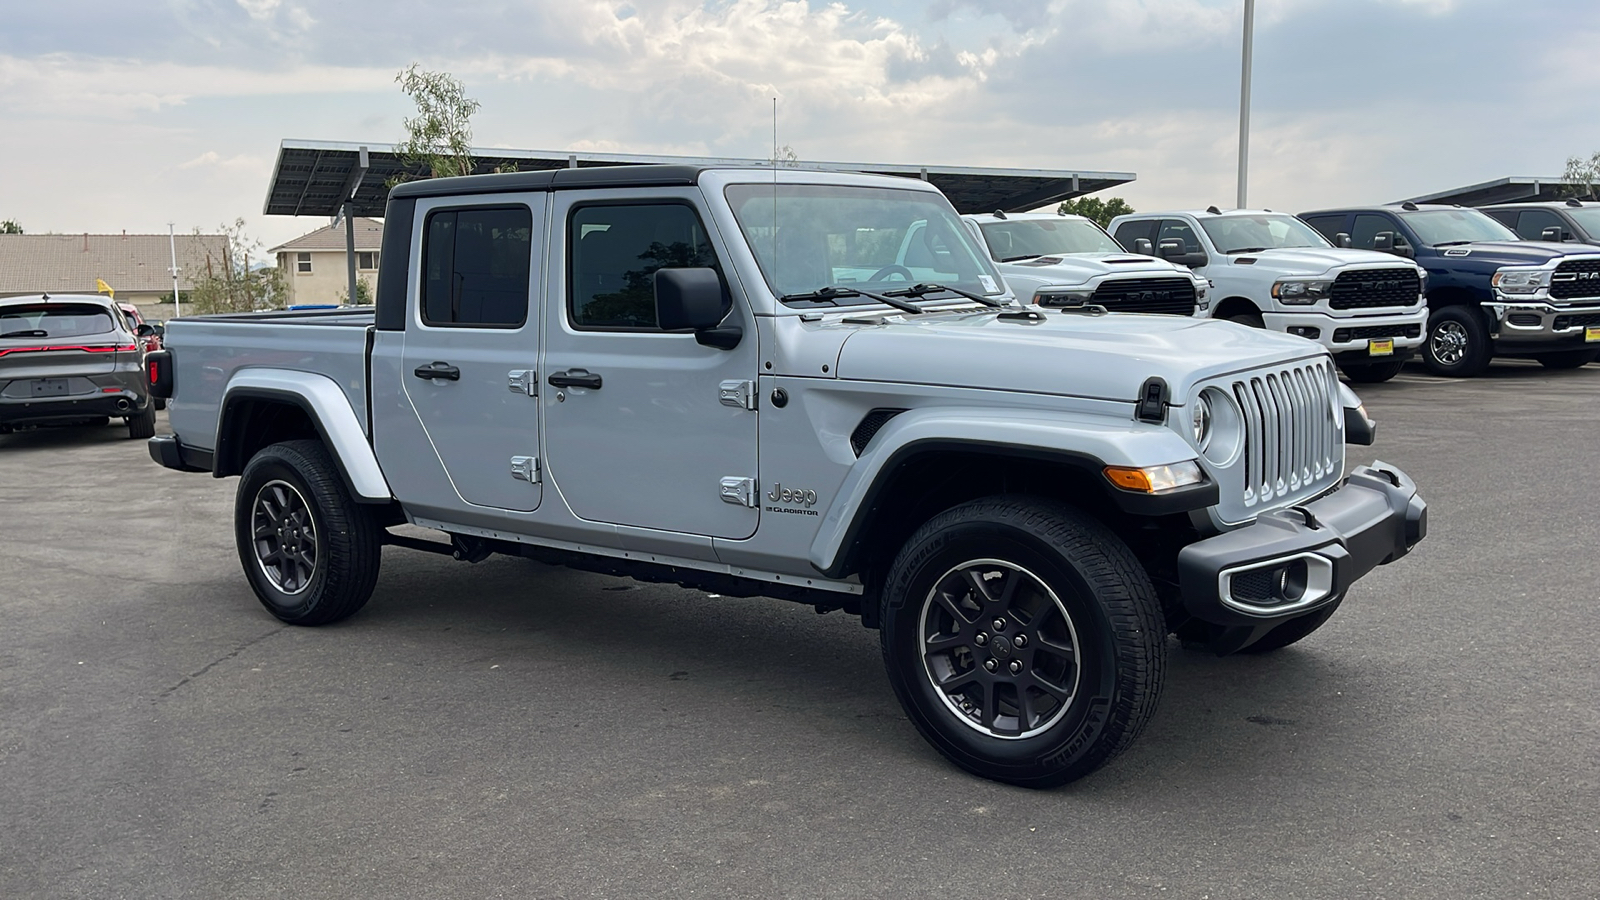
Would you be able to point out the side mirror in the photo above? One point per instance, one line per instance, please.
(145, 330)
(694, 300)
(1172, 249)
(1401, 248)
(1342, 239)
(160, 330)
(1553, 233)
(1383, 242)
(1142, 245)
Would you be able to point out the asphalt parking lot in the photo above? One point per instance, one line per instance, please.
(513, 730)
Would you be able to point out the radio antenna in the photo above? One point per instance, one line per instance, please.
(775, 188)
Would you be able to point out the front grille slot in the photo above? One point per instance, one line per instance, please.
(868, 426)
(1576, 278)
(1582, 320)
(1291, 441)
(1368, 288)
(1369, 332)
(1170, 296)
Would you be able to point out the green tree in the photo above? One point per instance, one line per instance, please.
(231, 284)
(10, 226)
(363, 294)
(438, 141)
(1102, 211)
(185, 296)
(1582, 177)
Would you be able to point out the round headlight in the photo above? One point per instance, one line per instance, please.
(1224, 427)
(1201, 421)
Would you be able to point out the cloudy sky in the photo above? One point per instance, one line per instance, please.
(128, 115)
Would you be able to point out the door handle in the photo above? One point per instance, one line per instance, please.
(580, 378)
(438, 370)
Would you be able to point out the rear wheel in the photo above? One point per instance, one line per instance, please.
(1458, 342)
(1568, 359)
(1294, 629)
(310, 551)
(1372, 372)
(160, 402)
(1023, 639)
(142, 424)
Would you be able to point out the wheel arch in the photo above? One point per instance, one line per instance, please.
(1235, 306)
(264, 407)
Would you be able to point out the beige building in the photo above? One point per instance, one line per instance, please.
(136, 266)
(314, 267)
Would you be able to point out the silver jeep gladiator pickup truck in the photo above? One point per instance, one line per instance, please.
(737, 381)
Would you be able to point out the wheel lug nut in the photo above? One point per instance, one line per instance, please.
(990, 664)
(981, 639)
(1015, 667)
(1020, 640)
(999, 624)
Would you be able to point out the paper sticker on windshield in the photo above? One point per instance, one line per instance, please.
(988, 284)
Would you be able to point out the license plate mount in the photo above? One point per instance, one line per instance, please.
(1384, 347)
(50, 387)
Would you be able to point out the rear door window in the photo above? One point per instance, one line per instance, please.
(1368, 227)
(1178, 229)
(1532, 223)
(475, 267)
(1129, 233)
(1328, 226)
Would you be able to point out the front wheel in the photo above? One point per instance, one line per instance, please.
(1568, 359)
(1023, 639)
(1372, 372)
(310, 551)
(1458, 342)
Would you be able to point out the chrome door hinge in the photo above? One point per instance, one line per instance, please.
(523, 381)
(737, 394)
(739, 491)
(525, 468)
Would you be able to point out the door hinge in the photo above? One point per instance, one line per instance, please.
(739, 491)
(525, 468)
(523, 381)
(737, 394)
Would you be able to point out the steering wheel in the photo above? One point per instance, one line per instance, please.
(884, 273)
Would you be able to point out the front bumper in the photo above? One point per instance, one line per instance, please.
(1538, 321)
(1298, 559)
(67, 409)
(1349, 338)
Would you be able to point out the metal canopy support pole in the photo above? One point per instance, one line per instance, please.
(347, 208)
(1244, 102)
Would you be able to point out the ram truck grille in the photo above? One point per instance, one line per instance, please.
(1369, 288)
(1171, 296)
(1293, 446)
(1576, 279)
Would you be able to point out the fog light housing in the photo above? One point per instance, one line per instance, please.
(1305, 331)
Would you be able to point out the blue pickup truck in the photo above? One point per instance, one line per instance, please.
(1490, 293)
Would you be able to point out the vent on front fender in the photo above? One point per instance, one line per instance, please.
(862, 436)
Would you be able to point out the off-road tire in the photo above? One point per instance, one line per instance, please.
(1568, 359)
(1117, 630)
(1372, 372)
(1294, 629)
(346, 539)
(1453, 323)
(142, 425)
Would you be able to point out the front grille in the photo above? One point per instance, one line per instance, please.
(1368, 288)
(1340, 335)
(1583, 320)
(1172, 296)
(1291, 440)
(1576, 278)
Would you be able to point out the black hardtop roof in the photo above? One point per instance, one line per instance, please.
(553, 180)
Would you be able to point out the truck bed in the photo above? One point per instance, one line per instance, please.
(208, 351)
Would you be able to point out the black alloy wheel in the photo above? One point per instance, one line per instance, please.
(285, 537)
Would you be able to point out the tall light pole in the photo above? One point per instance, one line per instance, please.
(1244, 103)
(172, 247)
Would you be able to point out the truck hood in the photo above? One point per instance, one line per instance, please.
(1105, 357)
(1515, 253)
(1079, 268)
(1315, 261)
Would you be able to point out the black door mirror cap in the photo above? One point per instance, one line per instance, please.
(144, 330)
(1342, 239)
(1142, 245)
(695, 299)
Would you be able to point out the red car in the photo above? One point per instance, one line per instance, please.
(151, 341)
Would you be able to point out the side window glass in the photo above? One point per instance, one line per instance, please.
(1327, 226)
(475, 267)
(615, 252)
(1506, 217)
(1177, 229)
(1532, 223)
(1130, 232)
(1368, 227)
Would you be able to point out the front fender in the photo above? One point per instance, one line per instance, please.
(325, 404)
(1083, 441)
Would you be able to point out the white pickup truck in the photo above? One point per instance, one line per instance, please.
(1057, 260)
(746, 382)
(1271, 270)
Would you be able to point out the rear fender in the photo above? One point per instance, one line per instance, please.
(323, 402)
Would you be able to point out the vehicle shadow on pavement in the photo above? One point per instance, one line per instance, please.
(66, 436)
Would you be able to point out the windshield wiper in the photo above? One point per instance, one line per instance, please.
(26, 332)
(1248, 250)
(1024, 256)
(1451, 243)
(925, 288)
(832, 292)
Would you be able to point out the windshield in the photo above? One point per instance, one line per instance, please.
(1588, 217)
(55, 321)
(876, 239)
(1028, 238)
(1446, 226)
(1252, 234)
